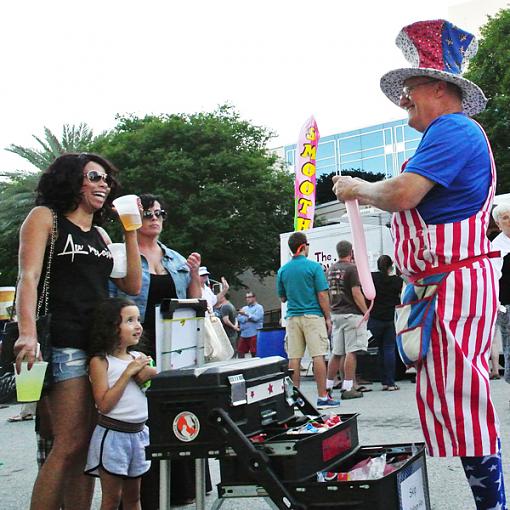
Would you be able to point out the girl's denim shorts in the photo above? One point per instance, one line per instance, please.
(68, 363)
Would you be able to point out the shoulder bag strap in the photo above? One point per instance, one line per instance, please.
(45, 293)
(44, 297)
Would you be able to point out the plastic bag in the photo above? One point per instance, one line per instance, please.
(217, 346)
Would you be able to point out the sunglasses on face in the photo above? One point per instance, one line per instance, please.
(95, 176)
(158, 213)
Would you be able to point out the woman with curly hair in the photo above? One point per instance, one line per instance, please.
(78, 189)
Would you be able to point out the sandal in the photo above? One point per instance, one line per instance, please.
(363, 389)
(494, 376)
(19, 417)
(392, 388)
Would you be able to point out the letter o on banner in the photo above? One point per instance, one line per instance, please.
(306, 187)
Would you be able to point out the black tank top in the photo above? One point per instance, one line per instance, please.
(161, 287)
(78, 282)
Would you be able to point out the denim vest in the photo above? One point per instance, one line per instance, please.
(177, 268)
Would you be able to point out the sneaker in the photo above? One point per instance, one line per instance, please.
(325, 404)
(352, 393)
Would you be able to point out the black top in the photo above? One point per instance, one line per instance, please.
(387, 295)
(79, 276)
(161, 287)
(504, 281)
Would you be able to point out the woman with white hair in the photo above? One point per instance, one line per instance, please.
(501, 215)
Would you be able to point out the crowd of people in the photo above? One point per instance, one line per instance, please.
(442, 203)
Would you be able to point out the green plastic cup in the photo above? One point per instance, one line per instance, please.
(29, 383)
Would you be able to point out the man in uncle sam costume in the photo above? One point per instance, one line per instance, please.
(441, 202)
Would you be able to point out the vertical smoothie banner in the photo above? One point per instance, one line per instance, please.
(306, 178)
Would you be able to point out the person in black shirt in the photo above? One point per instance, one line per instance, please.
(79, 189)
(382, 318)
(166, 274)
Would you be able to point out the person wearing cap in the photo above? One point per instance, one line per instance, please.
(207, 292)
(442, 201)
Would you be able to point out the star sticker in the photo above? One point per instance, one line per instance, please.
(478, 498)
(469, 468)
(270, 388)
(252, 393)
(449, 42)
(500, 481)
(476, 482)
(463, 37)
(493, 468)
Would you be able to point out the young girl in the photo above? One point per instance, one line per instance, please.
(117, 448)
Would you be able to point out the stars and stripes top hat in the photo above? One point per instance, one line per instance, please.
(437, 49)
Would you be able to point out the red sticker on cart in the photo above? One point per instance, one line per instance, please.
(336, 444)
(186, 426)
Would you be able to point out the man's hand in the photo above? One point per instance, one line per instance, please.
(346, 188)
(225, 285)
(329, 326)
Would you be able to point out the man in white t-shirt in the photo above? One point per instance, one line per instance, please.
(207, 292)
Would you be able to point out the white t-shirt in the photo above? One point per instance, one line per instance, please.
(132, 406)
(209, 296)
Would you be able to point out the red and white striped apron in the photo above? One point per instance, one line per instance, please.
(452, 385)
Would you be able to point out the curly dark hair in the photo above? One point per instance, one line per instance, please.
(105, 332)
(148, 199)
(60, 184)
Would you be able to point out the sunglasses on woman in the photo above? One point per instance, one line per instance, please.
(159, 213)
(95, 176)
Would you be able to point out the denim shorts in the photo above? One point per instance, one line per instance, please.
(68, 363)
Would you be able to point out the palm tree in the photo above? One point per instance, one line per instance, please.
(74, 139)
(17, 188)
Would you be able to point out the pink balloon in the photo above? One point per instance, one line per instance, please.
(360, 249)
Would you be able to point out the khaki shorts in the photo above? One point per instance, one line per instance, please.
(346, 336)
(306, 331)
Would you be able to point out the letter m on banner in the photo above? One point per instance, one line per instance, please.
(306, 175)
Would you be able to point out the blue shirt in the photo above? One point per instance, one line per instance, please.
(299, 280)
(253, 320)
(177, 268)
(454, 154)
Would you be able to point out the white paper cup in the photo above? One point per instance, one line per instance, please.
(118, 251)
(127, 209)
(29, 383)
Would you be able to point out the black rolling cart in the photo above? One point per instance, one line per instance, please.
(243, 413)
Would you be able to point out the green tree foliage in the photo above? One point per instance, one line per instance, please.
(325, 183)
(490, 70)
(17, 189)
(74, 139)
(227, 197)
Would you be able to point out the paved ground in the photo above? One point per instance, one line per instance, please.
(385, 418)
